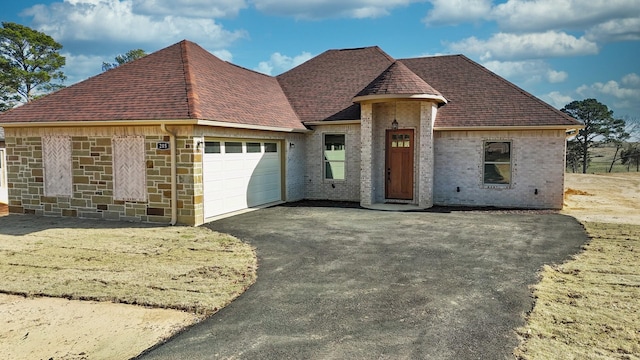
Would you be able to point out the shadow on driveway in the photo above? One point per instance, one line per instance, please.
(340, 283)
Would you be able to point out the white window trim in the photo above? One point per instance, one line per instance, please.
(324, 161)
(484, 162)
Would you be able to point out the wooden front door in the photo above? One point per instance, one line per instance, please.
(399, 164)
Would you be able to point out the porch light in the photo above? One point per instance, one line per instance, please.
(394, 123)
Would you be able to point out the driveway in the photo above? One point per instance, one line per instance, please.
(348, 283)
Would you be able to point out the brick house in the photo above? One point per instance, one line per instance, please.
(181, 136)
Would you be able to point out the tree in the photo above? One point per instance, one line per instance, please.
(598, 122)
(30, 63)
(631, 156)
(618, 137)
(123, 59)
(574, 155)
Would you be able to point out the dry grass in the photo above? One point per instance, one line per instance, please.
(185, 268)
(588, 308)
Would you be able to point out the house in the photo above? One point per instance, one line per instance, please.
(180, 136)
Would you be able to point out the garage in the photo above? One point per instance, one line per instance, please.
(240, 174)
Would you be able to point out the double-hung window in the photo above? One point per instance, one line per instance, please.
(334, 156)
(497, 163)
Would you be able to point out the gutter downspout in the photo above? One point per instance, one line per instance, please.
(174, 187)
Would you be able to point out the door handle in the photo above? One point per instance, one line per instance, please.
(389, 175)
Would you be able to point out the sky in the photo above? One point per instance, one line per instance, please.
(558, 50)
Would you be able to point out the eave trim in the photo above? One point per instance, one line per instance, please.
(385, 97)
(506, 127)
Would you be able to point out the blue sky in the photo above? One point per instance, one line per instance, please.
(558, 50)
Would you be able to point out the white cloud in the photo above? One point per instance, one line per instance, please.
(190, 8)
(557, 99)
(223, 55)
(102, 22)
(556, 76)
(612, 88)
(538, 15)
(505, 46)
(616, 30)
(280, 63)
(83, 66)
(622, 95)
(451, 12)
(527, 72)
(631, 80)
(322, 9)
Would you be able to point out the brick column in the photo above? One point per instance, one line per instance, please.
(366, 154)
(428, 113)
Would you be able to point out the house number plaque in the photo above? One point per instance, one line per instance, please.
(163, 146)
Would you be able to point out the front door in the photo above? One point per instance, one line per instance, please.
(399, 165)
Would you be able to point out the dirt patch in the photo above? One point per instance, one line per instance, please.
(56, 262)
(608, 198)
(587, 308)
(49, 328)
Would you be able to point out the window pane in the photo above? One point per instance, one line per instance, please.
(334, 170)
(497, 173)
(212, 147)
(270, 147)
(334, 156)
(253, 147)
(334, 142)
(497, 152)
(232, 147)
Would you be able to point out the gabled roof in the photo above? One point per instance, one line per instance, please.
(480, 98)
(180, 82)
(323, 87)
(397, 79)
(185, 82)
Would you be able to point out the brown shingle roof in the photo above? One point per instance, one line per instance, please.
(182, 81)
(479, 97)
(323, 88)
(398, 79)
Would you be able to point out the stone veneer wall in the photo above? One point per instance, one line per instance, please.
(93, 175)
(319, 188)
(537, 158)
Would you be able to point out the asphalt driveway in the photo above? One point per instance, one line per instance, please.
(348, 283)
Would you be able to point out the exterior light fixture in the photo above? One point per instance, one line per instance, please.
(394, 123)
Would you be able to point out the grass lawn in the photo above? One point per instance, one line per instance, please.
(184, 268)
(588, 308)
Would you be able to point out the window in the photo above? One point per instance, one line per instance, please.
(270, 147)
(212, 147)
(253, 147)
(129, 168)
(497, 163)
(56, 161)
(334, 156)
(232, 147)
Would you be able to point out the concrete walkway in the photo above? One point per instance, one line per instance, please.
(346, 283)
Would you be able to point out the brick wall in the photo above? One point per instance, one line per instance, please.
(537, 158)
(407, 113)
(319, 188)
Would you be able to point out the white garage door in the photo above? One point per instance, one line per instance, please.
(240, 174)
